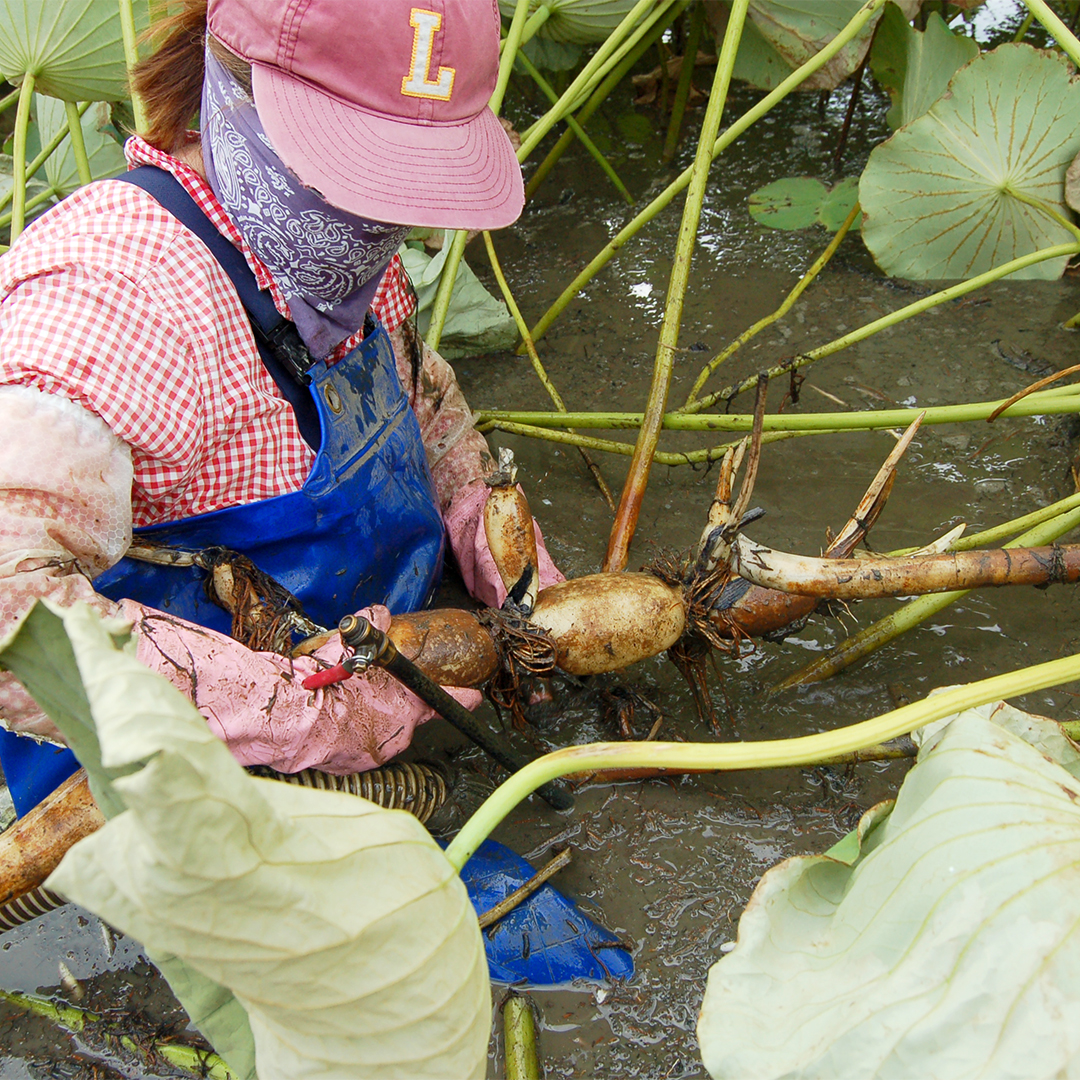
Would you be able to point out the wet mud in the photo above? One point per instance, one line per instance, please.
(668, 864)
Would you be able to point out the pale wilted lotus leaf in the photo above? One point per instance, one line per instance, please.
(577, 22)
(781, 35)
(939, 940)
(74, 47)
(944, 197)
(339, 928)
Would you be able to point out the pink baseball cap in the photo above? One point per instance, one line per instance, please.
(381, 105)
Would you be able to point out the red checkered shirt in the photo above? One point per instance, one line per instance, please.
(109, 301)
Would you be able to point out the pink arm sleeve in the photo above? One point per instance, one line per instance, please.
(65, 515)
(459, 459)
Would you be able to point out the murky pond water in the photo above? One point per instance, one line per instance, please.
(668, 865)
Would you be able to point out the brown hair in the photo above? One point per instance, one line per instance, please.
(170, 79)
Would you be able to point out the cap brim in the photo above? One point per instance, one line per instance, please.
(461, 176)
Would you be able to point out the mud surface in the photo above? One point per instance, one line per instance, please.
(668, 865)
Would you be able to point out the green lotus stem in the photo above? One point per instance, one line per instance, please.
(686, 76)
(1024, 27)
(31, 204)
(510, 47)
(1058, 30)
(895, 318)
(600, 94)
(622, 531)
(1053, 402)
(610, 446)
(441, 304)
(691, 401)
(22, 125)
(538, 367)
(1038, 204)
(1072, 323)
(78, 143)
(43, 156)
(593, 68)
(131, 58)
(1071, 728)
(9, 99)
(198, 1062)
(768, 754)
(547, 89)
(912, 613)
(535, 21)
(519, 1033)
(800, 75)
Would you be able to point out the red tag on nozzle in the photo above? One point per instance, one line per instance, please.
(337, 673)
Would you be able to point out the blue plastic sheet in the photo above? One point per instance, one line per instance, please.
(546, 940)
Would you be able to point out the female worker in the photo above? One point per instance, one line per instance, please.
(216, 350)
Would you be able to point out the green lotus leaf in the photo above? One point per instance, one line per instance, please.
(550, 55)
(945, 196)
(105, 154)
(791, 203)
(309, 933)
(1072, 184)
(578, 22)
(33, 186)
(915, 67)
(940, 940)
(837, 204)
(73, 47)
(781, 35)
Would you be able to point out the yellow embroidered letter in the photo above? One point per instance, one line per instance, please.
(417, 83)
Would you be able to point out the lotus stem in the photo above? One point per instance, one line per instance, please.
(819, 264)
(580, 85)
(532, 25)
(78, 143)
(577, 129)
(686, 78)
(1058, 30)
(896, 317)
(9, 99)
(22, 125)
(519, 1033)
(774, 753)
(610, 446)
(131, 58)
(600, 94)
(1061, 401)
(748, 118)
(538, 367)
(31, 204)
(204, 1063)
(448, 278)
(523, 892)
(916, 611)
(43, 156)
(622, 532)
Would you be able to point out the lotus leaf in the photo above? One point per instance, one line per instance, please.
(338, 927)
(105, 154)
(782, 35)
(838, 203)
(940, 940)
(578, 22)
(915, 67)
(33, 186)
(73, 47)
(791, 203)
(1072, 184)
(476, 321)
(944, 197)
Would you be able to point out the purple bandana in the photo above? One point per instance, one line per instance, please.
(327, 261)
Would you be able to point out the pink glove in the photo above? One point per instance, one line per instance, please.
(254, 702)
(465, 527)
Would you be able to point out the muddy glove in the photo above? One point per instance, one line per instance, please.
(254, 701)
(468, 539)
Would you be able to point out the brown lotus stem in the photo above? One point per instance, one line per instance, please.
(32, 848)
(523, 892)
(858, 579)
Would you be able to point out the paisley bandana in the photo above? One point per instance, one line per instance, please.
(327, 261)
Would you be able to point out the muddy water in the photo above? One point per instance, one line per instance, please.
(669, 865)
